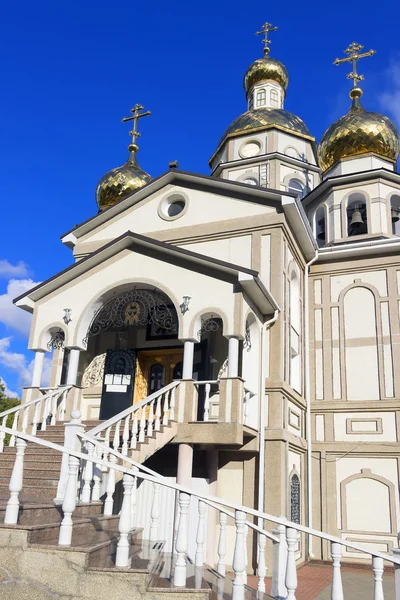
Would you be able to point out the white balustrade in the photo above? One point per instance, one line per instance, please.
(221, 566)
(16, 481)
(377, 568)
(239, 559)
(172, 405)
(181, 543)
(142, 426)
(207, 389)
(125, 523)
(150, 420)
(291, 573)
(157, 424)
(134, 496)
(3, 433)
(116, 435)
(246, 533)
(135, 430)
(201, 535)
(261, 568)
(125, 435)
(69, 502)
(13, 426)
(63, 405)
(166, 406)
(110, 488)
(337, 587)
(278, 588)
(155, 513)
(97, 476)
(87, 474)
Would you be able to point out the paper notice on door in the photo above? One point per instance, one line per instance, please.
(115, 387)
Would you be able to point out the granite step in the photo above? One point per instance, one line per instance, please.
(31, 493)
(40, 513)
(97, 528)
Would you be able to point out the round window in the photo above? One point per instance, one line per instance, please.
(172, 207)
(175, 208)
(250, 149)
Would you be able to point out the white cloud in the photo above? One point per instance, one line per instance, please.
(7, 390)
(8, 270)
(18, 363)
(390, 96)
(11, 315)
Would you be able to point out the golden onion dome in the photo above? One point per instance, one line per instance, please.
(358, 132)
(263, 69)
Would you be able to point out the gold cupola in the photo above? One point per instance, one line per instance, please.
(266, 68)
(123, 181)
(360, 131)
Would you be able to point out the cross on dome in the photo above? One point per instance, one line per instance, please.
(265, 30)
(354, 55)
(136, 115)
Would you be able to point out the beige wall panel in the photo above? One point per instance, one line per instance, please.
(387, 351)
(318, 291)
(230, 485)
(319, 428)
(376, 278)
(368, 427)
(236, 250)
(319, 375)
(266, 259)
(372, 516)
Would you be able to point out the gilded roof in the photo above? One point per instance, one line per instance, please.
(266, 118)
(263, 69)
(120, 183)
(358, 132)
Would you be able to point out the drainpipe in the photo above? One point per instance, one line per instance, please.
(261, 468)
(307, 394)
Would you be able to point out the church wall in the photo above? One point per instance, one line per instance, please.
(236, 250)
(356, 164)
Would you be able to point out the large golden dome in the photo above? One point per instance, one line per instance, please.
(263, 69)
(358, 132)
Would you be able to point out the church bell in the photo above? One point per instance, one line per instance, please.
(357, 225)
(395, 215)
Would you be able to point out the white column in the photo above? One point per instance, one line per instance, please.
(73, 363)
(185, 464)
(37, 368)
(233, 357)
(188, 353)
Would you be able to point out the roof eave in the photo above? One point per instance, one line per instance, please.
(298, 221)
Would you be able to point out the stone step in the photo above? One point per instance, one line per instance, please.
(42, 513)
(35, 471)
(30, 463)
(31, 493)
(95, 529)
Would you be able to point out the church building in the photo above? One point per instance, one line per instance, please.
(270, 290)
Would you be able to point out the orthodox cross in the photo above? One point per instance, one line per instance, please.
(136, 115)
(354, 55)
(265, 30)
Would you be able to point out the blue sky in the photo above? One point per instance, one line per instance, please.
(71, 71)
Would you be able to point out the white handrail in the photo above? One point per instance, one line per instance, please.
(49, 394)
(133, 408)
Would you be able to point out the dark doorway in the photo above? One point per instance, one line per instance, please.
(118, 382)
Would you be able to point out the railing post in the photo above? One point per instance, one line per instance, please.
(142, 424)
(221, 566)
(16, 482)
(135, 430)
(155, 513)
(337, 587)
(172, 405)
(87, 474)
(261, 568)
(124, 525)
(157, 423)
(239, 561)
(97, 476)
(116, 437)
(207, 390)
(69, 503)
(181, 541)
(110, 488)
(72, 441)
(125, 436)
(13, 426)
(3, 433)
(201, 535)
(246, 533)
(291, 573)
(166, 408)
(278, 589)
(396, 553)
(378, 567)
(134, 496)
(150, 419)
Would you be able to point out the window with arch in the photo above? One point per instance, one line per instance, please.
(250, 181)
(294, 307)
(156, 377)
(261, 98)
(395, 213)
(295, 186)
(295, 504)
(320, 226)
(274, 98)
(356, 213)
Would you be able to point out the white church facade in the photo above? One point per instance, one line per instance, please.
(270, 289)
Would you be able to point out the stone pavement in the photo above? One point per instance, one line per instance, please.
(314, 583)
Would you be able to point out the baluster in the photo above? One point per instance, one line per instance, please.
(291, 573)
(337, 587)
(69, 502)
(150, 420)
(166, 408)
(117, 435)
(54, 398)
(201, 535)
(97, 476)
(87, 474)
(261, 568)
(155, 513)
(46, 412)
(278, 588)
(172, 406)
(221, 567)
(63, 405)
(125, 436)
(181, 541)
(104, 475)
(378, 567)
(247, 396)
(206, 416)
(238, 563)
(142, 424)
(134, 430)
(134, 496)
(110, 488)
(157, 424)
(246, 533)
(16, 482)
(2, 433)
(107, 436)
(124, 524)
(35, 419)
(25, 415)
(13, 426)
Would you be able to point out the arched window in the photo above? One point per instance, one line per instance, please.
(357, 222)
(320, 226)
(274, 98)
(395, 214)
(250, 181)
(295, 505)
(156, 378)
(296, 187)
(260, 98)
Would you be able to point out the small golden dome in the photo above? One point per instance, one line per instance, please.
(358, 132)
(120, 183)
(263, 69)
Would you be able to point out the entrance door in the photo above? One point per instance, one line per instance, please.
(118, 383)
(156, 369)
